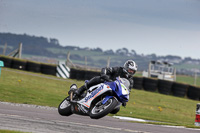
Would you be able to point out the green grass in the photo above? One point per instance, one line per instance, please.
(9, 131)
(29, 88)
(188, 80)
(158, 107)
(22, 88)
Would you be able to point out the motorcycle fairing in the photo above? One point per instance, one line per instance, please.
(83, 106)
(79, 108)
(119, 90)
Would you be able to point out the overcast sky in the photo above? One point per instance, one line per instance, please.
(163, 27)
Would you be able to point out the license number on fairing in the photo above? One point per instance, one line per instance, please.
(93, 93)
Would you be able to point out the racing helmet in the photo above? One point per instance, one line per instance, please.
(130, 66)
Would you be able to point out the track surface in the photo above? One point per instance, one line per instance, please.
(39, 119)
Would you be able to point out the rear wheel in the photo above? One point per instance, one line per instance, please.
(100, 110)
(64, 108)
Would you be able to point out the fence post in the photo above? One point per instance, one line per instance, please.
(195, 78)
(17, 52)
(68, 61)
(149, 71)
(108, 62)
(85, 62)
(20, 51)
(174, 74)
(4, 50)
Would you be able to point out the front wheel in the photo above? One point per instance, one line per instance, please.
(115, 111)
(64, 108)
(100, 110)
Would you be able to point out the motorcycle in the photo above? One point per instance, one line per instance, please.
(98, 101)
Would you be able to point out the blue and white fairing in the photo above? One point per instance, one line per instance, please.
(93, 93)
(120, 89)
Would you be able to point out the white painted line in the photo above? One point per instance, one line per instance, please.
(132, 119)
(142, 120)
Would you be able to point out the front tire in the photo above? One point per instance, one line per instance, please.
(115, 111)
(99, 110)
(64, 108)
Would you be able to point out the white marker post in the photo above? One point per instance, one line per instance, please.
(197, 120)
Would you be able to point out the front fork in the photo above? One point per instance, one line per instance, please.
(71, 96)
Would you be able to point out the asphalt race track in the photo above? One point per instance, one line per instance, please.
(40, 119)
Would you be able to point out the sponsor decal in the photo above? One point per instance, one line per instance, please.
(93, 93)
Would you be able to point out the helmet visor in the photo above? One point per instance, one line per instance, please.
(130, 71)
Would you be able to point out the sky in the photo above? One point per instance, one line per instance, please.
(161, 27)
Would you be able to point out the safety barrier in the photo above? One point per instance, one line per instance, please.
(7, 61)
(193, 93)
(18, 64)
(63, 71)
(48, 69)
(179, 89)
(165, 87)
(33, 66)
(82, 74)
(148, 84)
(138, 83)
(73, 73)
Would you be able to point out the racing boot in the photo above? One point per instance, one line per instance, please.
(73, 88)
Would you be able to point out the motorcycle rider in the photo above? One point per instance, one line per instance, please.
(109, 74)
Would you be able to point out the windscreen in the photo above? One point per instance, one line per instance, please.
(125, 82)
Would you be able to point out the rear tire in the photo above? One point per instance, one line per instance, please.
(64, 108)
(99, 111)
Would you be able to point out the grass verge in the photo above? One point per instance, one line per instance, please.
(9, 131)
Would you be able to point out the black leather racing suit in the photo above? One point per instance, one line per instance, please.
(114, 72)
(110, 73)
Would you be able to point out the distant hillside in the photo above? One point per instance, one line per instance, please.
(31, 44)
(37, 47)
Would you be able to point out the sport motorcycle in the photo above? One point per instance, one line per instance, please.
(98, 101)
